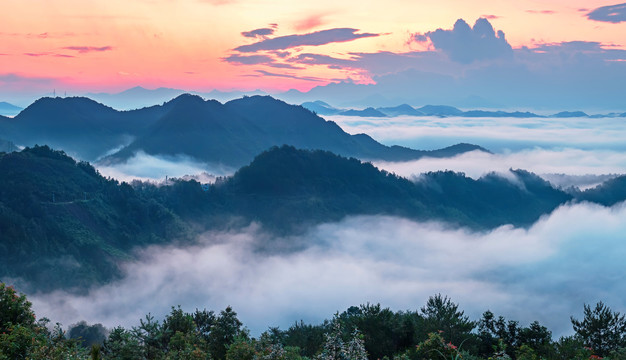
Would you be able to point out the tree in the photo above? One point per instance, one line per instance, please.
(335, 348)
(441, 314)
(224, 332)
(601, 329)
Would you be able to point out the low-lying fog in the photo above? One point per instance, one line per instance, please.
(545, 273)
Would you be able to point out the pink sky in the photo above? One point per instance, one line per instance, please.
(91, 46)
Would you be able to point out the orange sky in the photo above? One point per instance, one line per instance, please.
(89, 45)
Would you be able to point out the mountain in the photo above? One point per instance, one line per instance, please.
(320, 107)
(570, 114)
(440, 110)
(287, 187)
(9, 109)
(368, 112)
(484, 113)
(80, 126)
(64, 225)
(399, 110)
(608, 193)
(7, 146)
(137, 97)
(233, 133)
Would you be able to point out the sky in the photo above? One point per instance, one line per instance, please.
(77, 47)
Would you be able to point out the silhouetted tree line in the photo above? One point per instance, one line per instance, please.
(438, 330)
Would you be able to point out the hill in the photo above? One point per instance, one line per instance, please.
(229, 134)
(64, 225)
(320, 107)
(78, 125)
(608, 193)
(399, 110)
(318, 186)
(233, 133)
(368, 112)
(9, 109)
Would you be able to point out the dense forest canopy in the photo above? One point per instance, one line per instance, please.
(437, 330)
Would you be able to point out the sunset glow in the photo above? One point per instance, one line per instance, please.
(92, 46)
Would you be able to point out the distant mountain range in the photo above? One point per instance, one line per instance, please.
(139, 97)
(229, 134)
(323, 108)
(64, 226)
(7, 109)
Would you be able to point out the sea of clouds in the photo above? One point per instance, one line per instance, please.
(546, 273)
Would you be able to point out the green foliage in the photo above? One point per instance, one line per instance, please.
(122, 345)
(242, 348)
(335, 347)
(224, 331)
(602, 329)
(385, 333)
(441, 315)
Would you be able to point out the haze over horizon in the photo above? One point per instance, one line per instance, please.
(484, 53)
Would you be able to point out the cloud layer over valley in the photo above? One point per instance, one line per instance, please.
(543, 273)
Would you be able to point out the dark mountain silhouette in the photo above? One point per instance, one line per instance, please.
(320, 107)
(233, 133)
(399, 110)
(440, 110)
(317, 186)
(608, 193)
(9, 109)
(82, 127)
(230, 134)
(368, 112)
(78, 125)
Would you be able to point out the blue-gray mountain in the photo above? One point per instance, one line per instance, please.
(9, 109)
(228, 134)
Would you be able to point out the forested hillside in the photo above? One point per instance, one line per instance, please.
(63, 225)
(437, 330)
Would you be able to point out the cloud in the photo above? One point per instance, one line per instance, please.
(310, 22)
(543, 273)
(584, 168)
(262, 33)
(491, 17)
(544, 12)
(318, 59)
(88, 49)
(257, 60)
(14, 78)
(248, 59)
(466, 45)
(289, 76)
(311, 39)
(154, 168)
(613, 13)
